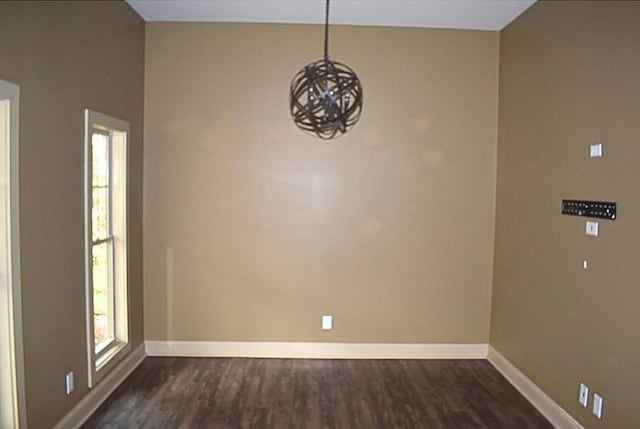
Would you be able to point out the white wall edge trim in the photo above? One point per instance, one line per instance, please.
(558, 417)
(310, 350)
(96, 396)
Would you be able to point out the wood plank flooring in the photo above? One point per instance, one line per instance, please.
(295, 393)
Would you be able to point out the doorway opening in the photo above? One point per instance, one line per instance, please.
(12, 403)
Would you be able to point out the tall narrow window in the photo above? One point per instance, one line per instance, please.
(106, 217)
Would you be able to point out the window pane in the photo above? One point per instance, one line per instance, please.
(100, 213)
(103, 314)
(100, 159)
(100, 186)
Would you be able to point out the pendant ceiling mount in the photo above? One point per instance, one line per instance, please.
(326, 96)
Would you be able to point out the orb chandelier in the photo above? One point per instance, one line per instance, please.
(326, 96)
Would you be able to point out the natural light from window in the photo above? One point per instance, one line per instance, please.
(103, 311)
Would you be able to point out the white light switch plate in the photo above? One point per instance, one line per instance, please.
(591, 228)
(595, 150)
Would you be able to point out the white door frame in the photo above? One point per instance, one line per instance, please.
(12, 319)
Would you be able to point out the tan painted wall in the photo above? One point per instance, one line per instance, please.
(569, 76)
(66, 57)
(389, 228)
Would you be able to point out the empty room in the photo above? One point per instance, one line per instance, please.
(319, 214)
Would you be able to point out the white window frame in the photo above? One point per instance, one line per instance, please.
(102, 361)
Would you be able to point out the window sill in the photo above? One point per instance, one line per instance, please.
(107, 361)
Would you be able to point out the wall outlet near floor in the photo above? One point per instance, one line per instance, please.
(597, 405)
(583, 398)
(327, 322)
(595, 150)
(68, 383)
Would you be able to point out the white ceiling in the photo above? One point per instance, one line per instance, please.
(460, 14)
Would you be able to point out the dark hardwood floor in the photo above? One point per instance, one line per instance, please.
(292, 393)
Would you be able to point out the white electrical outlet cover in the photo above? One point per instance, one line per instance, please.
(591, 228)
(597, 405)
(68, 383)
(327, 322)
(583, 398)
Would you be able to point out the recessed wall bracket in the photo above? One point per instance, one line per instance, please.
(595, 209)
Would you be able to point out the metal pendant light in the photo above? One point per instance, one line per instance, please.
(326, 96)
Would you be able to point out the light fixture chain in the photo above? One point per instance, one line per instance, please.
(326, 32)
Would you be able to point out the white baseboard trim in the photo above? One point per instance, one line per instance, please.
(304, 350)
(96, 396)
(558, 417)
